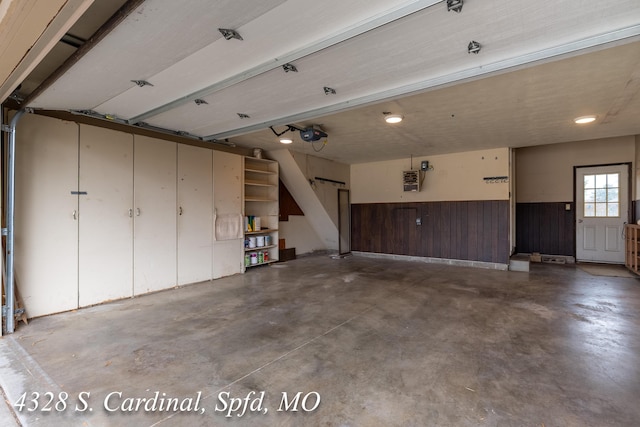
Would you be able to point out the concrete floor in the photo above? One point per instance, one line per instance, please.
(383, 343)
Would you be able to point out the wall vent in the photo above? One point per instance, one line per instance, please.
(411, 180)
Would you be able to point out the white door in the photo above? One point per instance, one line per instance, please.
(106, 215)
(228, 255)
(602, 209)
(154, 243)
(46, 226)
(195, 214)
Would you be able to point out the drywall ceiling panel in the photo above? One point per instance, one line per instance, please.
(291, 27)
(179, 49)
(430, 45)
(527, 107)
(156, 35)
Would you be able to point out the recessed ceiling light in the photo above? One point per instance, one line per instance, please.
(393, 118)
(286, 140)
(584, 119)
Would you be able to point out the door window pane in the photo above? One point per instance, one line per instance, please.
(589, 209)
(602, 195)
(589, 181)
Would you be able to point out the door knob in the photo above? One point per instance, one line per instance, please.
(580, 221)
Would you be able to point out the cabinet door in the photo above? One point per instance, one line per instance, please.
(227, 170)
(195, 214)
(46, 229)
(106, 215)
(154, 241)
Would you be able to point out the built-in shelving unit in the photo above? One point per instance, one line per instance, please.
(632, 252)
(260, 211)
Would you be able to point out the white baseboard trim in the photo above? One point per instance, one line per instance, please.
(430, 260)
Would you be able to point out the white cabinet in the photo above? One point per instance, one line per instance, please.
(154, 228)
(105, 261)
(227, 203)
(103, 215)
(46, 225)
(195, 214)
(261, 204)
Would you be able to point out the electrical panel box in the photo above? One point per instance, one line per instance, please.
(411, 180)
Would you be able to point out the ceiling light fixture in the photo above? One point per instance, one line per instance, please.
(230, 34)
(584, 119)
(392, 118)
(474, 47)
(455, 5)
(286, 140)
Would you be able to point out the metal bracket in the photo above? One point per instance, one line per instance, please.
(6, 128)
(5, 231)
(5, 309)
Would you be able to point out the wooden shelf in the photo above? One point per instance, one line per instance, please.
(261, 263)
(256, 249)
(258, 184)
(258, 199)
(632, 247)
(260, 171)
(262, 231)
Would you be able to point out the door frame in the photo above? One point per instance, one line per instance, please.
(341, 250)
(630, 207)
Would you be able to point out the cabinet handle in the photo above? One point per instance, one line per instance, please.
(137, 211)
(180, 210)
(75, 214)
(130, 213)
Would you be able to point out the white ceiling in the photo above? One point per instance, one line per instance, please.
(541, 64)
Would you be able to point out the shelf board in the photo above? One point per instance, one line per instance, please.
(250, 159)
(256, 249)
(260, 171)
(261, 231)
(258, 199)
(271, 261)
(259, 184)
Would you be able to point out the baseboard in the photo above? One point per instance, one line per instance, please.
(430, 260)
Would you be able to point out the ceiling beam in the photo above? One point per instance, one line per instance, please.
(625, 35)
(328, 41)
(102, 32)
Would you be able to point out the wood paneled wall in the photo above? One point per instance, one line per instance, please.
(473, 230)
(288, 205)
(547, 228)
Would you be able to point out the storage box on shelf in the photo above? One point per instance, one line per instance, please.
(260, 211)
(632, 253)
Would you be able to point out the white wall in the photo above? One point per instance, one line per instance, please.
(300, 235)
(317, 199)
(455, 177)
(545, 172)
(326, 192)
